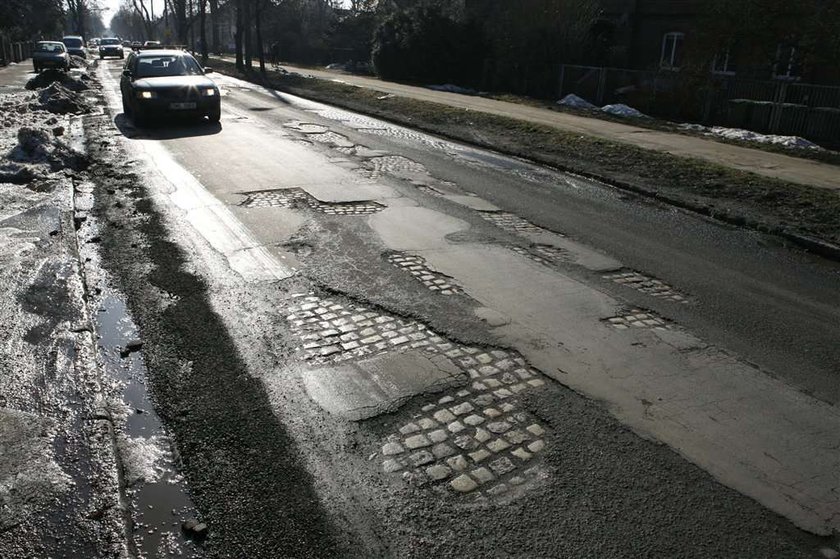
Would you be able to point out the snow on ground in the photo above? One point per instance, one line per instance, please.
(621, 109)
(572, 100)
(793, 142)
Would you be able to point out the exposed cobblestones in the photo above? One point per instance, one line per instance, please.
(472, 440)
(416, 266)
(638, 318)
(512, 223)
(298, 199)
(543, 254)
(647, 285)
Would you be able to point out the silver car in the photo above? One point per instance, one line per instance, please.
(50, 54)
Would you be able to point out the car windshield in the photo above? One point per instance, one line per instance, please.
(72, 42)
(110, 42)
(54, 48)
(167, 65)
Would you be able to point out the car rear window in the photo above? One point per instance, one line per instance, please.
(70, 42)
(55, 48)
(167, 65)
(110, 42)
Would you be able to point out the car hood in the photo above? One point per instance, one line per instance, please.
(166, 82)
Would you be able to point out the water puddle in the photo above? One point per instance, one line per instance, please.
(157, 494)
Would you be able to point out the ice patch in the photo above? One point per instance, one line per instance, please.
(143, 459)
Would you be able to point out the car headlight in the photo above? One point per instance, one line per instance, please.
(210, 92)
(146, 95)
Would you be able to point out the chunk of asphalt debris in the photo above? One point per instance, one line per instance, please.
(194, 529)
(131, 347)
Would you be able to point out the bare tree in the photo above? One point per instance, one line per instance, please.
(145, 15)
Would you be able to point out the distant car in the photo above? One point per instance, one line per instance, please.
(162, 82)
(93, 43)
(136, 44)
(75, 45)
(50, 54)
(126, 44)
(111, 47)
(151, 44)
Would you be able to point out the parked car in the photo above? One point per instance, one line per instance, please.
(162, 82)
(111, 47)
(50, 54)
(75, 45)
(126, 44)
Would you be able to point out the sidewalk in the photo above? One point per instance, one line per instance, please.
(768, 164)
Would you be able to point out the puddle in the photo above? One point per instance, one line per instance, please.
(156, 492)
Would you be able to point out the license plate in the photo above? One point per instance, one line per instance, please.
(181, 106)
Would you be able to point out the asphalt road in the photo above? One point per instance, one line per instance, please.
(290, 223)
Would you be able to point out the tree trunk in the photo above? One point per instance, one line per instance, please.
(214, 23)
(249, 62)
(181, 20)
(191, 24)
(202, 12)
(238, 35)
(258, 25)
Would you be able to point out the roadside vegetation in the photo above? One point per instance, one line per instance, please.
(787, 209)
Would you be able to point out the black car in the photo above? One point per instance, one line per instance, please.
(111, 47)
(75, 45)
(167, 82)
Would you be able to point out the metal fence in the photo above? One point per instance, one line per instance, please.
(765, 106)
(13, 52)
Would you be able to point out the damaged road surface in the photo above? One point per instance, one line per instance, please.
(356, 340)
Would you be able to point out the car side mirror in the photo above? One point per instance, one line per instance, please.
(208, 70)
(127, 73)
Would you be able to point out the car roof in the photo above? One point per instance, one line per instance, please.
(72, 37)
(49, 43)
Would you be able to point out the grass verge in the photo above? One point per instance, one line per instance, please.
(808, 215)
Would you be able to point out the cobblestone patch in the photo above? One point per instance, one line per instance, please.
(393, 165)
(638, 318)
(648, 285)
(416, 266)
(543, 254)
(298, 199)
(475, 440)
(512, 223)
(332, 139)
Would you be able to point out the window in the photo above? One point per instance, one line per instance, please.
(672, 46)
(788, 65)
(724, 63)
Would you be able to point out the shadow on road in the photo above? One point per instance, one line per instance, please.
(169, 129)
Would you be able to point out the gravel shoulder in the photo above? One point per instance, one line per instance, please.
(805, 215)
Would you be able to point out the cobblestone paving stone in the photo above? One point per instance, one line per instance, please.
(332, 139)
(393, 165)
(298, 199)
(638, 318)
(474, 440)
(416, 266)
(648, 285)
(543, 254)
(512, 223)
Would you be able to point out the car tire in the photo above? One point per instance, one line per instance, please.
(101, 57)
(37, 69)
(215, 115)
(141, 120)
(126, 108)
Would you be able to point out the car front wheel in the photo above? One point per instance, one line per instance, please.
(37, 69)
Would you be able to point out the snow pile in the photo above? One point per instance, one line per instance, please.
(78, 62)
(49, 77)
(623, 110)
(791, 142)
(572, 100)
(58, 99)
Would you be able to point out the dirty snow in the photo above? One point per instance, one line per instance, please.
(144, 460)
(792, 142)
(621, 109)
(572, 100)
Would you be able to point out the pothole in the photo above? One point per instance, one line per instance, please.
(296, 198)
(512, 223)
(394, 165)
(306, 127)
(638, 318)
(416, 266)
(647, 285)
(475, 440)
(332, 139)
